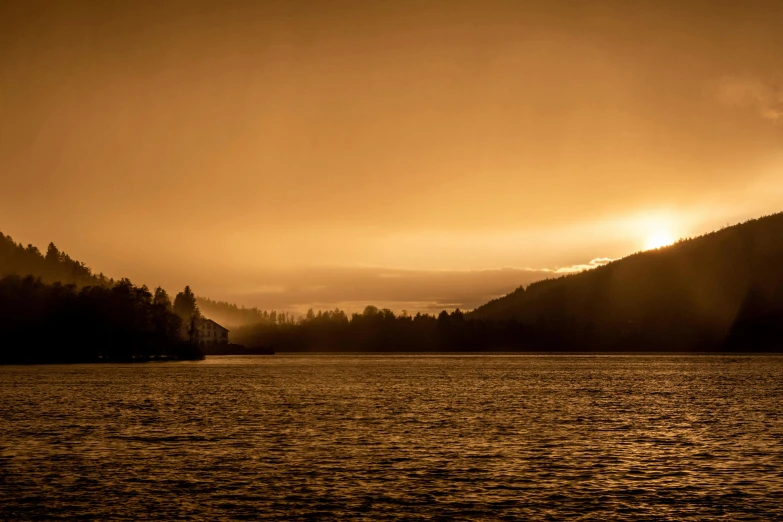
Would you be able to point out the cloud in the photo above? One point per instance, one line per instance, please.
(351, 289)
(594, 263)
(765, 97)
(426, 291)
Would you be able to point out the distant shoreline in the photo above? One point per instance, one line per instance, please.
(519, 352)
(412, 354)
(552, 353)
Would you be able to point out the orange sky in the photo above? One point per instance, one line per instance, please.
(410, 154)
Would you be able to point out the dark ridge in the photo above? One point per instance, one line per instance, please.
(722, 288)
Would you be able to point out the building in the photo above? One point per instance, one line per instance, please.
(212, 333)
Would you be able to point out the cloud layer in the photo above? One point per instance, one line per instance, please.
(352, 289)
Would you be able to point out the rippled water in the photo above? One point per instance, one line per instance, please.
(397, 437)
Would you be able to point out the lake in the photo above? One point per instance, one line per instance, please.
(500, 437)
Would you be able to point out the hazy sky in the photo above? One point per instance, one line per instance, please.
(409, 154)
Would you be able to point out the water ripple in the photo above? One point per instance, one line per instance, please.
(399, 437)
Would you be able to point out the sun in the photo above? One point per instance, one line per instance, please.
(658, 239)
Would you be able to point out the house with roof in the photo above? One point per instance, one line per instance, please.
(212, 333)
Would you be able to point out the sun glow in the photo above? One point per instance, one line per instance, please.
(658, 239)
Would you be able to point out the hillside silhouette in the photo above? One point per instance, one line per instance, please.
(54, 310)
(720, 290)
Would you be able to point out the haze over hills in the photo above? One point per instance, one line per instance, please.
(55, 266)
(232, 316)
(722, 291)
(719, 291)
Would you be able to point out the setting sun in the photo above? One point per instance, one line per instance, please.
(658, 239)
(411, 227)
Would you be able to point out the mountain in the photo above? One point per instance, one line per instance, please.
(720, 290)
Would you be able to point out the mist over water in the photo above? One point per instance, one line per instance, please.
(396, 437)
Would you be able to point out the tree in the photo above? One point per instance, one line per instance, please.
(185, 304)
(161, 298)
(186, 308)
(52, 254)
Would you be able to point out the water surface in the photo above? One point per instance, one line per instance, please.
(396, 437)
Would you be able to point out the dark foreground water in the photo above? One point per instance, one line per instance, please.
(398, 437)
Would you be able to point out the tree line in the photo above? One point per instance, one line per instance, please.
(373, 330)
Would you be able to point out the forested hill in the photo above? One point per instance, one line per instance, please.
(54, 310)
(53, 267)
(56, 266)
(714, 289)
